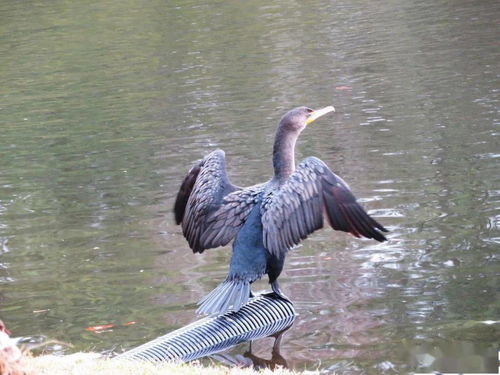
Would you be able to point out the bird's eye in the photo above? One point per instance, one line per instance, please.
(309, 110)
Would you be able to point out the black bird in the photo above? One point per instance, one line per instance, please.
(268, 219)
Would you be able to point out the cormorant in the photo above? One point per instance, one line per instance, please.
(265, 220)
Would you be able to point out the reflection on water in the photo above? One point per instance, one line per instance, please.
(249, 359)
(105, 106)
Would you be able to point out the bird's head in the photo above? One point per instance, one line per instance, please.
(298, 118)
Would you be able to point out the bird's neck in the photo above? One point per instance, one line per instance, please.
(284, 153)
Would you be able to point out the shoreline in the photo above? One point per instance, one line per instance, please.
(91, 363)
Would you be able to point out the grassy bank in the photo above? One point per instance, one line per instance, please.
(86, 363)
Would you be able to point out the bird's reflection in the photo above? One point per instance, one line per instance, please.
(249, 359)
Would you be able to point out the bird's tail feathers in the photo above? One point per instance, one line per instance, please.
(228, 296)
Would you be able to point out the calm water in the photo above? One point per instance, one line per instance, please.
(104, 106)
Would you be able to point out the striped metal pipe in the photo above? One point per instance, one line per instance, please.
(262, 316)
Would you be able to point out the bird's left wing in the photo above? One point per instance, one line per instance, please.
(210, 208)
(296, 209)
(201, 194)
(223, 225)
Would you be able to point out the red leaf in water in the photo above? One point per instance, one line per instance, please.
(128, 323)
(343, 88)
(100, 328)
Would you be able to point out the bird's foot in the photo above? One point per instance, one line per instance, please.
(277, 291)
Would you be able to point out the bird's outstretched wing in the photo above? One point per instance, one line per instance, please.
(223, 225)
(297, 208)
(210, 208)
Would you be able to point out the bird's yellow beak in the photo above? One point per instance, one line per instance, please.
(318, 113)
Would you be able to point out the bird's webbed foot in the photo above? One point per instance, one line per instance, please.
(277, 291)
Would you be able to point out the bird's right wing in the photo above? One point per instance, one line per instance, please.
(296, 209)
(210, 208)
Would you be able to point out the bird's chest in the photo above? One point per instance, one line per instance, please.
(250, 234)
(249, 255)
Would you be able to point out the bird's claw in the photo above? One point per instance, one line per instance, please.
(277, 293)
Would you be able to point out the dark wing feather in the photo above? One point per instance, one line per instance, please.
(211, 209)
(201, 194)
(296, 209)
(185, 191)
(223, 225)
